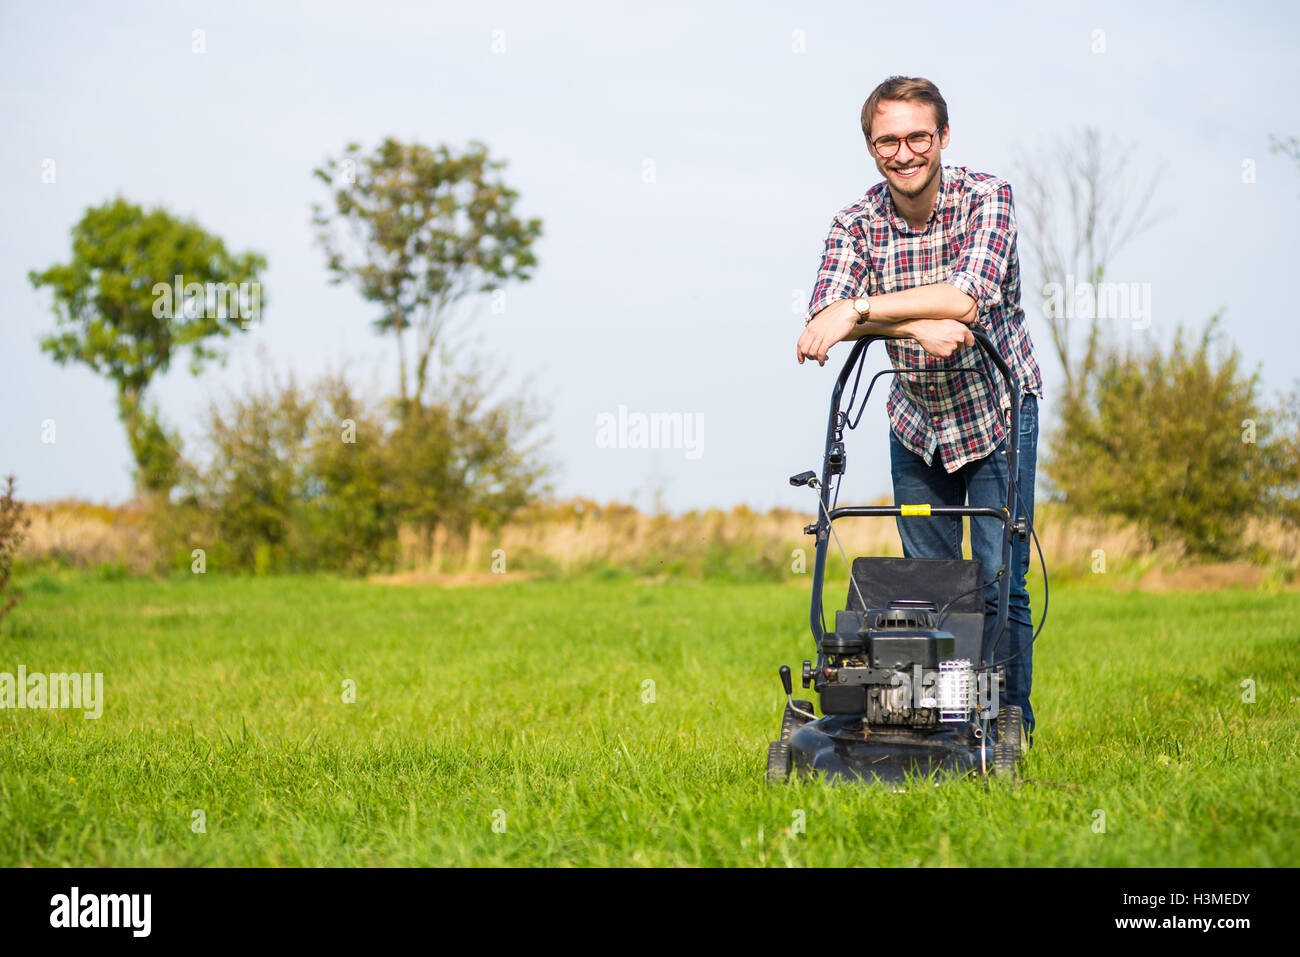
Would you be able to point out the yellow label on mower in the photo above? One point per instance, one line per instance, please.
(915, 509)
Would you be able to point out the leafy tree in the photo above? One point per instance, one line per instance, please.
(116, 311)
(1176, 442)
(416, 230)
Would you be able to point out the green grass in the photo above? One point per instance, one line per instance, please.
(225, 695)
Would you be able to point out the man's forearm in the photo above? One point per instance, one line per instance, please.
(936, 301)
(938, 336)
(902, 329)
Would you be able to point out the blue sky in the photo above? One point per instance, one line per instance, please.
(671, 296)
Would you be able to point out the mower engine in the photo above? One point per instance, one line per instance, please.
(895, 667)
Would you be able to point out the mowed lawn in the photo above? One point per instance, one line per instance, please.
(515, 724)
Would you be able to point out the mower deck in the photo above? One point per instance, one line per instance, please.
(844, 747)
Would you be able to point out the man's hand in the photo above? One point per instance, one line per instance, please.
(828, 327)
(942, 338)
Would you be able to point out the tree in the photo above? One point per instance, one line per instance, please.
(1288, 146)
(142, 286)
(416, 230)
(1177, 443)
(1076, 213)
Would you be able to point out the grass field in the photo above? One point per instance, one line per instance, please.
(522, 706)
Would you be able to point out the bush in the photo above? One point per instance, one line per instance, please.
(14, 522)
(462, 459)
(303, 479)
(299, 479)
(156, 450)
(255, 480)
(1281, 450)
(349, 514)
(1178, 443)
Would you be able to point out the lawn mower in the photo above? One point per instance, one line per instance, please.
(908, 683)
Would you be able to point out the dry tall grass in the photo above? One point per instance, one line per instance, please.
(563, 538)
(575, 537)
(83, 535)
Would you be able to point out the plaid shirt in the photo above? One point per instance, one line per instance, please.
(969, 241)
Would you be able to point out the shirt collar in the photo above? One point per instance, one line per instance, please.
(940, 199)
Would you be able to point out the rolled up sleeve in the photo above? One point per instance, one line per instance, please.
(989, 250)
(843, 273)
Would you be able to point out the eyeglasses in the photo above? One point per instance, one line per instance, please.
(919, 143)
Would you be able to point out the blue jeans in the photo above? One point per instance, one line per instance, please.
(981, 483)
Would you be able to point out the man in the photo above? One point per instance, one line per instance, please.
(920, 258)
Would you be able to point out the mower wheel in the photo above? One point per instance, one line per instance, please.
(779, 763)
(792, 721)
(1010, 745)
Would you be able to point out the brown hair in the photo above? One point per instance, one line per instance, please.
(915, 89)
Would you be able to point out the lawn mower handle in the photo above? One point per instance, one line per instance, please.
(833, 464)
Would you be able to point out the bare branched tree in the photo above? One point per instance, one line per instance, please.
(1078, 207)
(1288, 146)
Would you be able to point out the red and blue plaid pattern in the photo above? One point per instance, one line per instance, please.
(970, 242)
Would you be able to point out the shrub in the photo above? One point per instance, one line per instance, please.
(256, 476)
(464, 459)
(1177, 443)
(157, 452)
(349, 512)
(14, 522)
(302, 479)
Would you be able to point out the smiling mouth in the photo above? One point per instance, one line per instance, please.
(907, 172)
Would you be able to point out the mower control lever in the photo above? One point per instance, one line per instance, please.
(785, 681)
(804, 478)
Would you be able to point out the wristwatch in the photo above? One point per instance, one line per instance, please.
(863, 308)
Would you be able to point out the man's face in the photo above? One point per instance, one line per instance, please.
(907, 173)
